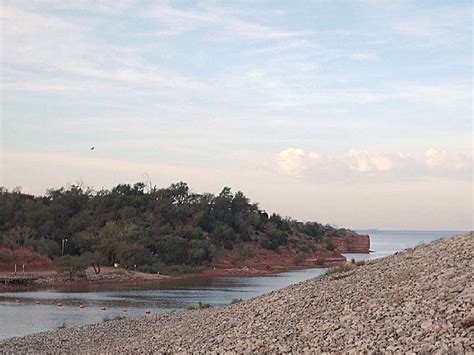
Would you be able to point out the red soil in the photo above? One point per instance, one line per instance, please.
(250, 259)
(33, 261)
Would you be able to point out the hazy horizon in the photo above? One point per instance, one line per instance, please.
(357, 114)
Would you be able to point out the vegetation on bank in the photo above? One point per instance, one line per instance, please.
(341, 271)
(149, 229)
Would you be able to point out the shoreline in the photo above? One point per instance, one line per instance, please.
(418, 300)
(111, 276)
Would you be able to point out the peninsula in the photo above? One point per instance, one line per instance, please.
(139, 233)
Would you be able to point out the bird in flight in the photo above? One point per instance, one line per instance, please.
(92, 148)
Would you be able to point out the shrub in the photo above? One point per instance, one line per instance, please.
(320, 261)
(330, 246)
(265, 243)
(305, 248)
(228, 245)
(340, 269)
(299, 258)
(200, 305)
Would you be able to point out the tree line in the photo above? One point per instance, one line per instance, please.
(146, 228)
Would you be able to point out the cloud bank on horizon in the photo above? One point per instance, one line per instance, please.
(358, 114)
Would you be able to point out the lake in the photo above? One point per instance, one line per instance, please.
(27, 317)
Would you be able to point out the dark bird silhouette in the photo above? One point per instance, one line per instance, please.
(92, 148)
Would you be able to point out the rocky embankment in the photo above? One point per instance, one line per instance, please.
(419, 300)
(352, 244)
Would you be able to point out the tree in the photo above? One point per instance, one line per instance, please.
(94, 259)
(72, 264)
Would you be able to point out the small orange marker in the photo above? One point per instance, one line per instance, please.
(37, 302)
(18, 300)
(103, 308)
(59, 304)
(81, 306)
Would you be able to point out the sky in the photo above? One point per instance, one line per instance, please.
(354, 113)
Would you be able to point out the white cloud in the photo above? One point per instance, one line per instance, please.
(442, 159)
(364, 161)
(436, 158)
(292, 161)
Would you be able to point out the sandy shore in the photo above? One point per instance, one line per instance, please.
(419, 300)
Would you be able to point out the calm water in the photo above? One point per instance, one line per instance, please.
(27, 317)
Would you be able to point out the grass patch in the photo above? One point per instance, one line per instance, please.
(340, 269)
(200, 305)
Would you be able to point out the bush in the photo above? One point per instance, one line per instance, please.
(228, 245)
(236, 300)
(265, 243)
(340, 269)
(299, 258)
(305, 249)
(200, 305)
(330, 246)
(320, 261)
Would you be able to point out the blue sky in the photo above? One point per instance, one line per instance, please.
(312, 108)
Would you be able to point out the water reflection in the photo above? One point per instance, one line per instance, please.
(28, 317)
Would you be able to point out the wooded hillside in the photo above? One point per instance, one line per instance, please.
(146, 228)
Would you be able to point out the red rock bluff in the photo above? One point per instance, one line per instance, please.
(352, 243)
